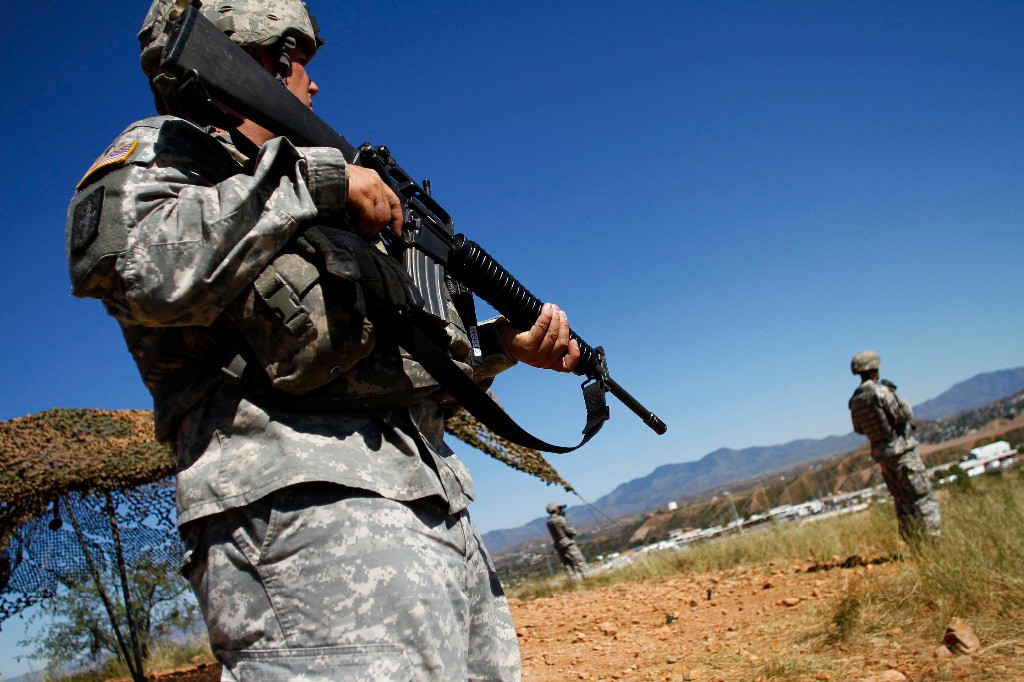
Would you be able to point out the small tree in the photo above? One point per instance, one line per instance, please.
(108, 577)
(79, 628)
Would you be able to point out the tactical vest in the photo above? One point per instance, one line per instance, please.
(291, 336)
(884, 418)
(868, 413)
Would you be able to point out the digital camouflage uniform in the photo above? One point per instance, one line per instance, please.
(325, 521)
(885, 418)
(569, 553)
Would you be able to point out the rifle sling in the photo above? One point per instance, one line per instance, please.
(475, 400)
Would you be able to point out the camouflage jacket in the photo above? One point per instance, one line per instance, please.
(172, 228)
(561, 532)
(884, 417)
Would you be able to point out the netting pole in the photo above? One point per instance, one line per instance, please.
(133, 630)
(103, 593)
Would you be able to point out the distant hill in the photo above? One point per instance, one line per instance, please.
(672, 481)
(723, 466)
(975, 392)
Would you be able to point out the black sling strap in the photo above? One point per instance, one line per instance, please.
(436, 360)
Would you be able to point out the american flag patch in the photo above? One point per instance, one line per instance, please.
(116, 155)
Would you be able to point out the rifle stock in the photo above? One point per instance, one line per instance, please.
(197, 52)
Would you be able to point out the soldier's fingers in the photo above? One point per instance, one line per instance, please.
(562, 345)
(539, 330)
(395, 205)
(549, 341)
(572, 357)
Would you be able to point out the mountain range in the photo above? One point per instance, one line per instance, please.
(726, 465)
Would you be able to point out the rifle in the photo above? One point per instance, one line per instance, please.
(209, 69)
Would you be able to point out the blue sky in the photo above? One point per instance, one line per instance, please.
(731, 197)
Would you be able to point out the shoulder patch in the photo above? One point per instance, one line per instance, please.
(86, 220)
(115, 156)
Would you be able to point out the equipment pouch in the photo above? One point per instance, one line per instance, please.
(303, 328)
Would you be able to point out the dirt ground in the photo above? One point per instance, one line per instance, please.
(743, 625)
(759, 624)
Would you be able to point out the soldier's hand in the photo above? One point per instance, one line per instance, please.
(372, 203)
(546, 344)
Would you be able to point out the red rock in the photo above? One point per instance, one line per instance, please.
(889, 676)
(960, 638)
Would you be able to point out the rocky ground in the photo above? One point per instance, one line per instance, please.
(763, 624)
(768, 623)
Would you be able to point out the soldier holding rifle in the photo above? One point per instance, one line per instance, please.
(324, 518)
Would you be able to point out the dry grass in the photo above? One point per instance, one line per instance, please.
(870, 534)
(973, 572)
(164, 657)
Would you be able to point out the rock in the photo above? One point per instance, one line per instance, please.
(609, 628)
(824, 677)
(790, 601)
(692, 675)
(942, 652)
(960, 638)
(878, 642)
(895, 632)
(889, 676)
(768, 584)
(693, 603)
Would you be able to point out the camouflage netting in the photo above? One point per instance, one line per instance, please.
(466, 428)
(47, 455)
(80, 459)
(91, 461)
(49, 550)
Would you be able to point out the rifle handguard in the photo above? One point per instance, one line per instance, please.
(473, 266)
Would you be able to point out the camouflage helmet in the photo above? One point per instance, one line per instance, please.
(246, 22)
(865, 361)
(554, 507)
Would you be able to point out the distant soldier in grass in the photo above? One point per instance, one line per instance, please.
(885, 418)
(562, 533)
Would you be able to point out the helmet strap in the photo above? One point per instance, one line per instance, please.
(283, 65)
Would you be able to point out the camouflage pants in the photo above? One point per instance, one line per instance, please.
(917, 510)
(321, 582)
(573, 562)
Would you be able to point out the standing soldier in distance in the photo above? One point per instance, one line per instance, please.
(568, 552)
(325, 520)
(885, 418)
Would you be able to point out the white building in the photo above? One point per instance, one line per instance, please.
(989, 458)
